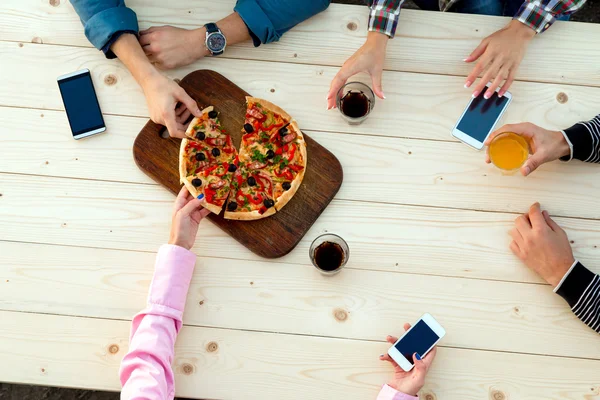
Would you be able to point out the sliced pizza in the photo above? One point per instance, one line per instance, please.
(251, 194)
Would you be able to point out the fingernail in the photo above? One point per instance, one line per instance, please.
(527, 171)
(418, 356)
(381, 356)
(200, 196)
(475, 94)
(383, 95)
(487, 95)
(465, 59)
(500, 94)
(468, 84)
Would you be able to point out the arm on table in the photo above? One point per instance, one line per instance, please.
(539, 15)
(581, 289)
(146, 369)
(584, 141)
(105, 21)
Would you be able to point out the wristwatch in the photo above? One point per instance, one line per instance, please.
(215, 40)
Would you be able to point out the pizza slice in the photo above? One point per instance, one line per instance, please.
(205, 126)
(251, 194)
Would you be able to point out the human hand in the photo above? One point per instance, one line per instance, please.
(162, 97)
(187, 214)
(369, 58)
(542, 245)
(545, 145)
(169, 47)
(499, 57)
(409, 382)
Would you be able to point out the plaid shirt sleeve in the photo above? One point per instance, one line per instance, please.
(384, 15)
(540, 14)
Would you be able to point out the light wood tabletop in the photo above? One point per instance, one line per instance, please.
(426, 219)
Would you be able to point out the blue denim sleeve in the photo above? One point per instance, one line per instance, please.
(267, 20)
(104, 21)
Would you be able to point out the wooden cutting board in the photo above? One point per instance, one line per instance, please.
(157, 155)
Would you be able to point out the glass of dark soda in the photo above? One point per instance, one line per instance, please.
(355, 100)
(329, 253)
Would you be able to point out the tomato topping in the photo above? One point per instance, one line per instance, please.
(285, 173)
(257, 199)
(209, 194)
(292, 151)
(279, 151)
(295, 167)
(262, 210)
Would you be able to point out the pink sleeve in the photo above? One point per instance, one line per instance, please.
(389, 393)
(146, 369)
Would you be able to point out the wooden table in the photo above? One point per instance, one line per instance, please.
(426, 219)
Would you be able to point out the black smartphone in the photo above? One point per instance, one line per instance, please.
(81, 103)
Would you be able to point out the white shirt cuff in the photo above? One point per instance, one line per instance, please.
(565, 276)
(570, 146)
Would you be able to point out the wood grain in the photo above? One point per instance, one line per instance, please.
(271, 237)
(69, 351)
(417, 105)
(433, 43)
(296, 299)
(387, 237)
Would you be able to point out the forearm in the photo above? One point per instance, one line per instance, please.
(389, 393)
(130, 52)
(581, 289)
(146, 368)
(584, 139)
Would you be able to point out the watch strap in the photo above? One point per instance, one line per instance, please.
(211, 27)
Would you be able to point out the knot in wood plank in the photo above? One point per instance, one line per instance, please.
(497, 395)
(340, 315)
(55, 3)
(562, 98)
(212, 347)
(110, 80)
(37, 40)
(113, 349)
(352, 26)
(429, 396)
(187, 369)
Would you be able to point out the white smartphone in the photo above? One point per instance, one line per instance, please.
(480, 117)
(81, 104)
(420, 338)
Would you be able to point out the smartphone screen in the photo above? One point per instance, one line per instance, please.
(481, 115)
(419, 340)
(81, 103)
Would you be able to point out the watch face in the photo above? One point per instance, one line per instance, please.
(216, 42)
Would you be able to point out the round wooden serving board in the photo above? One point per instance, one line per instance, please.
(271, 237)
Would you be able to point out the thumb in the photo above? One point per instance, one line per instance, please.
(190, 207)
(532, 164)
(376, 79)
(479, 50)
(190, 103)
(420, 368)
(338, 81)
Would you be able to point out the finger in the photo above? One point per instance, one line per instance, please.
(145, 39)
(479, 50)
(508, 83)
(428, 359)
(406, 326)
(179, 109)
(485, 79)
(515, 248)
(184, 117)
(376, 79)
(533, 163)
(496, 83)
(391, 339)
(182, 199)
(191, 207)
(536, 217)
(522, 224)
(199, 214)
(420, 369)
(553, 225)
(516, 236)
(149, 30)
(479, 67)
(190, 103)
(338, 81)
(174, 128)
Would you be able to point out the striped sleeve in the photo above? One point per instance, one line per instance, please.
(580, 287)
(539, 15)
(384, 16)
(585, 138)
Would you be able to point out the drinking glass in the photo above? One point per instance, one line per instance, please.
(331, 251)
(355, 100)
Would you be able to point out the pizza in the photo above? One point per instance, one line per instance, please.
(258, 181)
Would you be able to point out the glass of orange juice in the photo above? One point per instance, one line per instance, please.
(509, 151)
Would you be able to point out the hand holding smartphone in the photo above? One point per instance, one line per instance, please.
(420, 339)
(480, 117)
(81, 104)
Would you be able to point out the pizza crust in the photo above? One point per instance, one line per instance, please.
(269, 106)
(248, 215)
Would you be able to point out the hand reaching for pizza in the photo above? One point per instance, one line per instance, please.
(163, 96)
(409, 382)
(499, 55)
(187, 214)
(369, 58)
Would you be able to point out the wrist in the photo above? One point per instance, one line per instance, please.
(377, 39)
(198, 43)
(522, 30)
(563, 148)
(560, 272)
(178, 242)
(406, 389)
